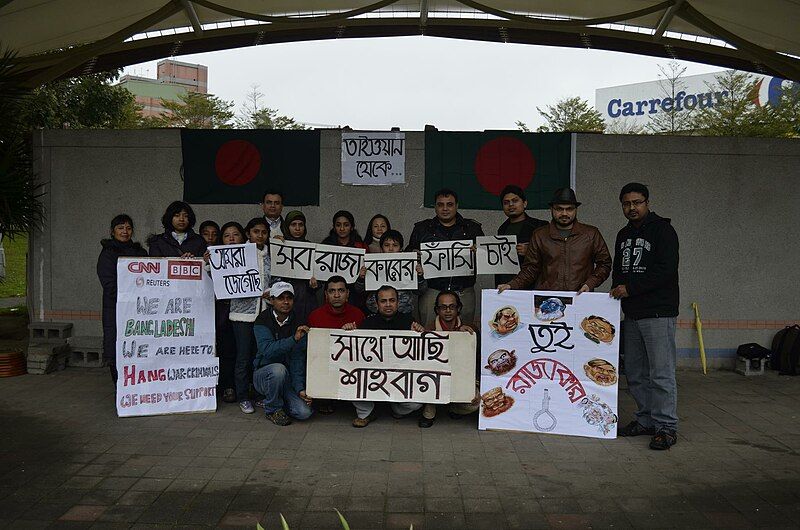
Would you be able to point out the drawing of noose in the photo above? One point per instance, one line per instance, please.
(545, 411)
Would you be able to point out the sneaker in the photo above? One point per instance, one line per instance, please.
(229, 395)
(259, 403)
(246, 406)
(664, 439)
(635, 428)
(279, 417)
(360, 423)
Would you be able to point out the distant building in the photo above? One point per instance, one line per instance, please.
(635, 104)
(174, 79)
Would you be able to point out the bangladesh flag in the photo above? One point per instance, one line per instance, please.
(236, 166)
(478, 165)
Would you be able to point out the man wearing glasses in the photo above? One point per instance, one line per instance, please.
(565, 255)
(645, 279)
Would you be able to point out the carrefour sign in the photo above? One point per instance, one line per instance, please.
(636, 104)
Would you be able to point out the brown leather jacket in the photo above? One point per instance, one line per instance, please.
(554, 263)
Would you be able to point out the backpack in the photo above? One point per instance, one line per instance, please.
(753, 351)
(786, 350)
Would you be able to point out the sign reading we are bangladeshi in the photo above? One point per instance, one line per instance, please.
(165, 337)
(549, 362)
(399, 366)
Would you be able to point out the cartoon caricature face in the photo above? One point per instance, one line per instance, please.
(505, 320)
(595, 412)
(502, 361)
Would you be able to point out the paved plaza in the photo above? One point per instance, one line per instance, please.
(67, 461)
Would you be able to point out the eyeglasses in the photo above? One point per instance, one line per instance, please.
(448, 307)
(633, 204)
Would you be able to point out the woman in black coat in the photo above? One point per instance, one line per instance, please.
(178, 239)
(119, 245)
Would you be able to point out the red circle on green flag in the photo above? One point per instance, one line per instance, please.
(503, 161)
(237, 162)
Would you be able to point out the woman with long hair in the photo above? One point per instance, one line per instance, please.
(305, 298)
(378, 225)
(344, 234)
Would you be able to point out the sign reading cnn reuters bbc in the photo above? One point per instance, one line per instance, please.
(165, 337)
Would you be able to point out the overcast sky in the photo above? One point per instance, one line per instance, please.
(408, 82)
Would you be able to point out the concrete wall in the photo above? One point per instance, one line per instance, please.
(734, 203)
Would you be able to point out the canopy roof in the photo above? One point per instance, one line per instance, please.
(57, 38)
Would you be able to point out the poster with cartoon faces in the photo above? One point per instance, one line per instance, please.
(550, 362)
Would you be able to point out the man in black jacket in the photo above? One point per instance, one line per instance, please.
(519, 224)
(645, 279)
(447, 225)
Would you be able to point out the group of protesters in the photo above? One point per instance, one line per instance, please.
(262, 341)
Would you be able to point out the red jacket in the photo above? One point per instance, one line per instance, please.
(324, 317)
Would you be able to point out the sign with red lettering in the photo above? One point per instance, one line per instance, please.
(165, 337)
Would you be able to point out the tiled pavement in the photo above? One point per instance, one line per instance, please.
(67, 461)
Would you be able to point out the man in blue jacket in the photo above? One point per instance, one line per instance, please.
(280, 364)
(645, 279)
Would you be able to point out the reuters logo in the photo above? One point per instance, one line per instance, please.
(139, 281)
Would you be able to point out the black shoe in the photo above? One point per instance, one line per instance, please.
(425, 423)
(664, 439)
(635, 428)
(280, 418)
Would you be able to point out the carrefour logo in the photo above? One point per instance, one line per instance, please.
(681, 101)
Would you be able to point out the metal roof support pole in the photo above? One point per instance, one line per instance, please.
(193, 18)
(667, 18)
(423, 15)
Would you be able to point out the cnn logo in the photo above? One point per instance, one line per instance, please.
(139, 267)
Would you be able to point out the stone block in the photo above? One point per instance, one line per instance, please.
(86, 351)
(42, 331)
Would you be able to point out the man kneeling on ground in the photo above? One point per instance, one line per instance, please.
(387, 318)
(280, 365)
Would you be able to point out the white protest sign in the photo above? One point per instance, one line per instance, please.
(399, 366)
(234, 271)
(497, 254)
(549, 362)
(330, 260)
(373, 158)
(291, 259)
(165, 337)
(443, 259)
(397, 269)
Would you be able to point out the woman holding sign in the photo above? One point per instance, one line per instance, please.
(344, 234)
(244, 312)
(305, 291)
(178, 239)
(119, 245)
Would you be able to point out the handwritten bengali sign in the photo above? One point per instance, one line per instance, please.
(165, 337)
(497, 255)
(234, 271)
(399, 366)
(443, 259)
(398, 269)
(549, 362)
(291, 259)
(373, 158)
(330, 260)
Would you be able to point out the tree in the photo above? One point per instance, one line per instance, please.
(736, 114)
(197, 111)
(571, 115)
(87, 102)
(254, 116)
(625, 126)
(676, 119)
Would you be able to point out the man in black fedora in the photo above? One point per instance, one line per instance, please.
(565, 255)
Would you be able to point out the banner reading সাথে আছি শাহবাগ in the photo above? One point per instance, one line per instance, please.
(165, 337)
(549, 362)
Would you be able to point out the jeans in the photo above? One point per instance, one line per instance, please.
(274, 383)
(245, 351)
(650, 358)
(428, 299)
(365, 408)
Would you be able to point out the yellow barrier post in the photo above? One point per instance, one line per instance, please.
(699, 325)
